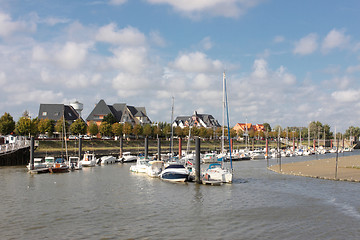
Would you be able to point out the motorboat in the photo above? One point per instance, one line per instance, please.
(89, 160)
(257, 154)
(210, 158)
(107, 160)
(38, 164)
(59, 166)
(175, 173)
(154, 168)
(49, 161)
(127, 157)
(216, 172)
(74, 163)
(140, 166)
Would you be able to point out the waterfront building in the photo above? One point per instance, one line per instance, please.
(246, 127)
(121, 112)
(58, 111)
(196, 120)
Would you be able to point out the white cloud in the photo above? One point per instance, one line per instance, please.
(335, 39)
(279, 39)
(260, 69)
(353, 69)
(306, 45)
(197, 62)
(132, 60)
(52, 21)
(346, 96)
(72, 54)
(232, 8)
(206, 43)
(286, 78)
(117, 2)
(157, 39)
(8, 26)
(2, 78)
(127, 36)
(128, 85)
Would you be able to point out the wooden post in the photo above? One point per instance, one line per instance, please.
(80, 148)
(146, 147)
(267, 151)
(231, 145)
(197, 160)
(121, 148)
(180, 147)
(32, 153)
(337, 157)
(159, 148)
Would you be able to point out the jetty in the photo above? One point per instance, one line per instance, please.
(15, 153)
(342, 169)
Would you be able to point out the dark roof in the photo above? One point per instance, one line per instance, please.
(100, 109)
(57, 111)
(208, 119)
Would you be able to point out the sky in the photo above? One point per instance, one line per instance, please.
(287, 63)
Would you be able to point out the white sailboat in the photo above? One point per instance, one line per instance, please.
(217, 171)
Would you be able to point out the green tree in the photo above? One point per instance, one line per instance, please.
(7, 124)
(127, 128)
(105, 129)
(147, 130)
(23, 126)
(78, 127)
(267, 127)
(59, 126)
(117, 129)
(93, 128)
(46, 126)
(109, 119)
(137, 130)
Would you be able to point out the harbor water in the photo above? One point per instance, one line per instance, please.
(110, 202)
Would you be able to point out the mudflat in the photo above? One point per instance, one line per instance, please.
(348, 168)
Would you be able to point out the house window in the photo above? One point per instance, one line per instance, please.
(56, 114)
(44, 113)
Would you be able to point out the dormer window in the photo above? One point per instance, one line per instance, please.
(44, 113)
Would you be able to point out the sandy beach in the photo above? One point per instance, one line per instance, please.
(348, 169)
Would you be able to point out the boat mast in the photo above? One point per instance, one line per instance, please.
(223, 117)
(172, 128)
(227, 114)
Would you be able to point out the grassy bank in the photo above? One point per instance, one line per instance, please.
(136, 146)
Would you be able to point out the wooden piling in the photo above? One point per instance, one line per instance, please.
(197, 160)
(32, 153)
(80, 148)
(146, 147)
(159, 148)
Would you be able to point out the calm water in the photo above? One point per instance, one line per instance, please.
(110, 202)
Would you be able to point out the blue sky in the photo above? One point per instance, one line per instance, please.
(287, 62)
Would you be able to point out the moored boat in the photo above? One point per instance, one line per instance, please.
(216, 172)
(89, 160)
(175, 173)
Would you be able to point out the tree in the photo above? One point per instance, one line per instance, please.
(105, 129)
(7, 124)
(23, 126)
(46, 126)
(78, 127)
(59, 126)
(117, 129)
(109, 119)
(93, 128)
(127, 128)
(137, 130)
(147, 130)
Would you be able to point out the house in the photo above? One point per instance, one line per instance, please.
(121, 111)
(196, 120)
(57, 111)
(246, 127)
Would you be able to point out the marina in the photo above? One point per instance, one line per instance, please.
(111, 202)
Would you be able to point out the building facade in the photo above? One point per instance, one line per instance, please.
(196, 120)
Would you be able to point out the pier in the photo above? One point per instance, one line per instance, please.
(16, 153)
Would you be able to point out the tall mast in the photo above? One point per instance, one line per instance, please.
(172, 127)
(227, 118)
(223, 117)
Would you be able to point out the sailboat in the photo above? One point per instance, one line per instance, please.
(218, 171)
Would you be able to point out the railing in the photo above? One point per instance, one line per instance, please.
(11, 147)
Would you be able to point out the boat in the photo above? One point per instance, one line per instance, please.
(175, 173)
(257, 154)
(49, 161)
(59, 166)
(216, 172)
(89, 160)
(140, 166)
(38, 164)
(107, 160)
(74, 163)
(210, 158)
(154, 168)
(127, 157)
